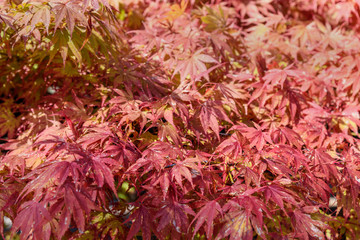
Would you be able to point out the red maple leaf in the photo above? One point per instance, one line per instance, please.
(256, 136)
(305, 227)
(174, 215)
(33, 219)
(243, 216)
(194, 65)
(141, 218)
(208, 214)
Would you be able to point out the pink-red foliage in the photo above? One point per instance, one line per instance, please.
(180, 120)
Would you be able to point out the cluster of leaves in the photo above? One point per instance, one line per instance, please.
(182, 120)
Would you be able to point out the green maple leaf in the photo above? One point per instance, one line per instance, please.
(8, 122)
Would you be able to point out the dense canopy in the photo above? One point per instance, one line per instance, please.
(234, 119)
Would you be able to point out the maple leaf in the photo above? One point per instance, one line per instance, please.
(174, 215)
(304, 34)
(321, 58)
(284, 134)
(353, 180)
(109, 225)
(148, 164)
(156, 157)
(96, 3)
(288, 155)
(141, 219)
(123, 152)
(207, 214)
(62, 43)
(209, 114)
(238, 226)
(232, 146)
(257, 137)
(42, 14)
(96, 136)
(333, 37)
(176, 11)
(242, 216)
(147, 38)
(251, 176)
(317, 186)
(275, 77)
(78, 205)
(49, 173)
(164, 181)
(102, 173)
(33, 218)
(345, 10)
(233, 93)
(8, 195)
(183, 169)
(20, 157)
(324, 163)
(8, 122)
(236, 188)
(71, 12)
(305, 227)
(313, 133)
(8, 20)
(350, 119)
(221, 42)
(277, 164)
(168, 130)
(293, 98)
(194, 65)
(235, 88)
(278, 195)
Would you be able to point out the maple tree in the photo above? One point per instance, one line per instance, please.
(190, 119)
